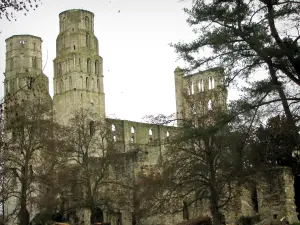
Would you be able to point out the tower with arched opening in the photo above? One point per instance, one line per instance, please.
(78, 73)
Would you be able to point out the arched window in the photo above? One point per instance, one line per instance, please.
(63, 41)
(34, 62)
(87, 83)
(98, 85)
(96, 67)
(167, 136)
(61, 86)
(212, 83)
(11, 64)
(209, 83)
(59, 69)
(132, 130)
(87, 22)
(209, 105)
(113, 128)
(70, 83)
(192, 88)
(64, 24)
(188, 91)
(150, 135)
(57, 87)
(88, 65)
(22, 43)
(93, 84)
(202, 85)
(87, 40)
(194, 109)
(114, 138)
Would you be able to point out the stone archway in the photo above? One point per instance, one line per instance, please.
(97, 215)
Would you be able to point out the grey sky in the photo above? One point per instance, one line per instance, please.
(138, 63)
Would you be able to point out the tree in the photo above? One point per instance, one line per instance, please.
(273, 145)
(245, 37)
(28, 142)
(8, 6)
(90, 156)
(204, 160)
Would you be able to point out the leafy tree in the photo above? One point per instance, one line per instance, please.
(274, 145)
(204, 160)
(90, 157)
(244, 37)
(27, 147)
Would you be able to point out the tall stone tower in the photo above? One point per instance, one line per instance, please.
(24, 77)
(26, 86)
(78, 73)
(199, 93)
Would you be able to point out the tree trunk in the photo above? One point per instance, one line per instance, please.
(284, 102)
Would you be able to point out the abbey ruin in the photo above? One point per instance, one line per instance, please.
(78, 83)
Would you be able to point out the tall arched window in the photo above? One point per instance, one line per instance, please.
(98, 85)
(97, 67)
(64, 24)
(209, 105)
(70, 83)
(113, 128)
(61, 88)
(192, 88)
(11, 64)
(88, 65)
(132, 130)
(57, 86)
(87, 23)
(87, 40)
(34, 65)
(59, 69)
(87, 83)
(150, 135)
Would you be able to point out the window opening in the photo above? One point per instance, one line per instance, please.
(70, 82)
(87, 40)
(132, 130)
(87, 22)
(87, 83)
(96, 67)
(98, 84)
(202, 84)
(209, 83)
(212, 83)
(114, 138)
(74, 47)
(34, 46)
(209, 105)
(113, 128)
(34, 62)
(192, 88)
(88, 65)
(22, 42)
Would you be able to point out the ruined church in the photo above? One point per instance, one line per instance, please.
(78, 83)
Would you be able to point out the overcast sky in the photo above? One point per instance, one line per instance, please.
(134, 43)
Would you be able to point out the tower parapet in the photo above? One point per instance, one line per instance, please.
(24, 72)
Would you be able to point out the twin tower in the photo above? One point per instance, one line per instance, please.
(78, 68)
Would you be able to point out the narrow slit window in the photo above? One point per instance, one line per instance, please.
(88, 62)
(113, 128)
